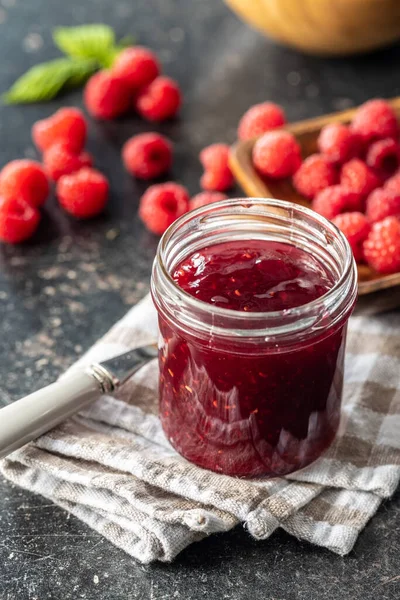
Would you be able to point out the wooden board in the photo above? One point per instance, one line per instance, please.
(306, 132)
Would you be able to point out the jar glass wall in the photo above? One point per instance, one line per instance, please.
(251, 393)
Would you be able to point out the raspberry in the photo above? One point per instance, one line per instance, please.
(106, 96)
(382, 246)
(375, 120)
(204, 198)
(138, 66)
(160, 100)
(356, 176)
(26, 180)
(83, 194)
(162, 204)
(59, 161)
(384, 156)
(217, 181)
(382, 203)
(277, 154)
(18, 220)
(259, 119)
(338, 143)
(147, 155)
(315, 174)
(334, 200)
(393, 183)
(215, 160)
(215, 157)
(356, 228)
(67, 125)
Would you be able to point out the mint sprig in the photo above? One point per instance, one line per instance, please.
(86, 41)
(87, 48)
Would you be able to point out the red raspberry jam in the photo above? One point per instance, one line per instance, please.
(235, 400)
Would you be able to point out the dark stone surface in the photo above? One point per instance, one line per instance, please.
(63, 290)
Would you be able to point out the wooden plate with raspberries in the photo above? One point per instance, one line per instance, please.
(346, 166)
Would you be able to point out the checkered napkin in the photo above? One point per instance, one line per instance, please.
(113, 468)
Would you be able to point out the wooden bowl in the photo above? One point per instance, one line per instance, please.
(382, 289)
(324, 27)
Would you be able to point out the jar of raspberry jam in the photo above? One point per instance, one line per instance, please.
(253, 298)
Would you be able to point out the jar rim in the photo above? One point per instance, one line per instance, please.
(195, 303)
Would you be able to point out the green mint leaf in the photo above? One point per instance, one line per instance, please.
(86, 41)
(44, 81)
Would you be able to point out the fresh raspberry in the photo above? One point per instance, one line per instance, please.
(215, 160)
(67, 125)
(59, 160)
(338, 143)
(204, 198)
(315, 174)
(215, 157)
(162, 204)
(393, 183)
(375, 120)
(384, 156)
(106, 96)
(147, 155)
(359, 178)
(356, 228)
(382, 203)
(382, 246)
(334, 200)
(26, 180)
(18, 220)
(259, 119)
(216, 181)
(160, 100)
(83, 194)
(277, 154)
(138, 66)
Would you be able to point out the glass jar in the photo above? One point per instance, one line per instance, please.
(250, 393)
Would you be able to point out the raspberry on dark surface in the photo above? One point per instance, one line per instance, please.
(18, 220)
(358, 177)
(382, 246)
(67, 126)
(384, 156)
(138, 66)
(160, 100)
(337, 142)
(24, 179)
(106, 96)
(204, 198)
(315, 174)
(147, 155)
(83, 194)
(217, 181)
(356, 228)
(218, 175)
(59, 161)
(277, 154)
(259, 119)
(334, 200)
(375, 120)
(382, 203)
(162, 204)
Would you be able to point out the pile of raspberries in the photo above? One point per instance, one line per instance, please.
(354, 180)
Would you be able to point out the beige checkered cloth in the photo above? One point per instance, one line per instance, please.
(113, 468)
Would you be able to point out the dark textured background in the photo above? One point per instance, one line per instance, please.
(62, 291)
